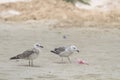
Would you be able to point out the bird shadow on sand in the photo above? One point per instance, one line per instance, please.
(37, 66)
(62, 62)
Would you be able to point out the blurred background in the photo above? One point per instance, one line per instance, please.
(67, 12)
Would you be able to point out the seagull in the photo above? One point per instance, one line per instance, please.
(65, 51)
(29, 54)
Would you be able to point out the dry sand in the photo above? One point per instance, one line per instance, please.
(61, 10)
(98, 46)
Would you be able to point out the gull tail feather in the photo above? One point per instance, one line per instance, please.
(15, 57)
(53, 52)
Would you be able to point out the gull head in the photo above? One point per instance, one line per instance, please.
(37, 45)
(74, 48)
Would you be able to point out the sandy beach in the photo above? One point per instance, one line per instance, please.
(99, 47)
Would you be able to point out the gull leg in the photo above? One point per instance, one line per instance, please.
(32, 63)
(69, 59)
(29, 62)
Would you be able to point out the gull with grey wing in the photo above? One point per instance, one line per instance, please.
(65, 51)
(29, 54)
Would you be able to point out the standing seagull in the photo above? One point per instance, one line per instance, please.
(65, 51)
(30, 54)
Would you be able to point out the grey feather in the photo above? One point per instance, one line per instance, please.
(25, 54)
(59, 50)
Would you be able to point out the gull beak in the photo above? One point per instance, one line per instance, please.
(41, 47)
(78, 51)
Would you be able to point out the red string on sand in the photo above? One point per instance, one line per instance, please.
(81, 62)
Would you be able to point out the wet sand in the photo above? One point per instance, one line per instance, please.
(98, 46)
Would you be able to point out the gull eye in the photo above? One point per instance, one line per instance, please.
(74, 48)
(37, 45)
